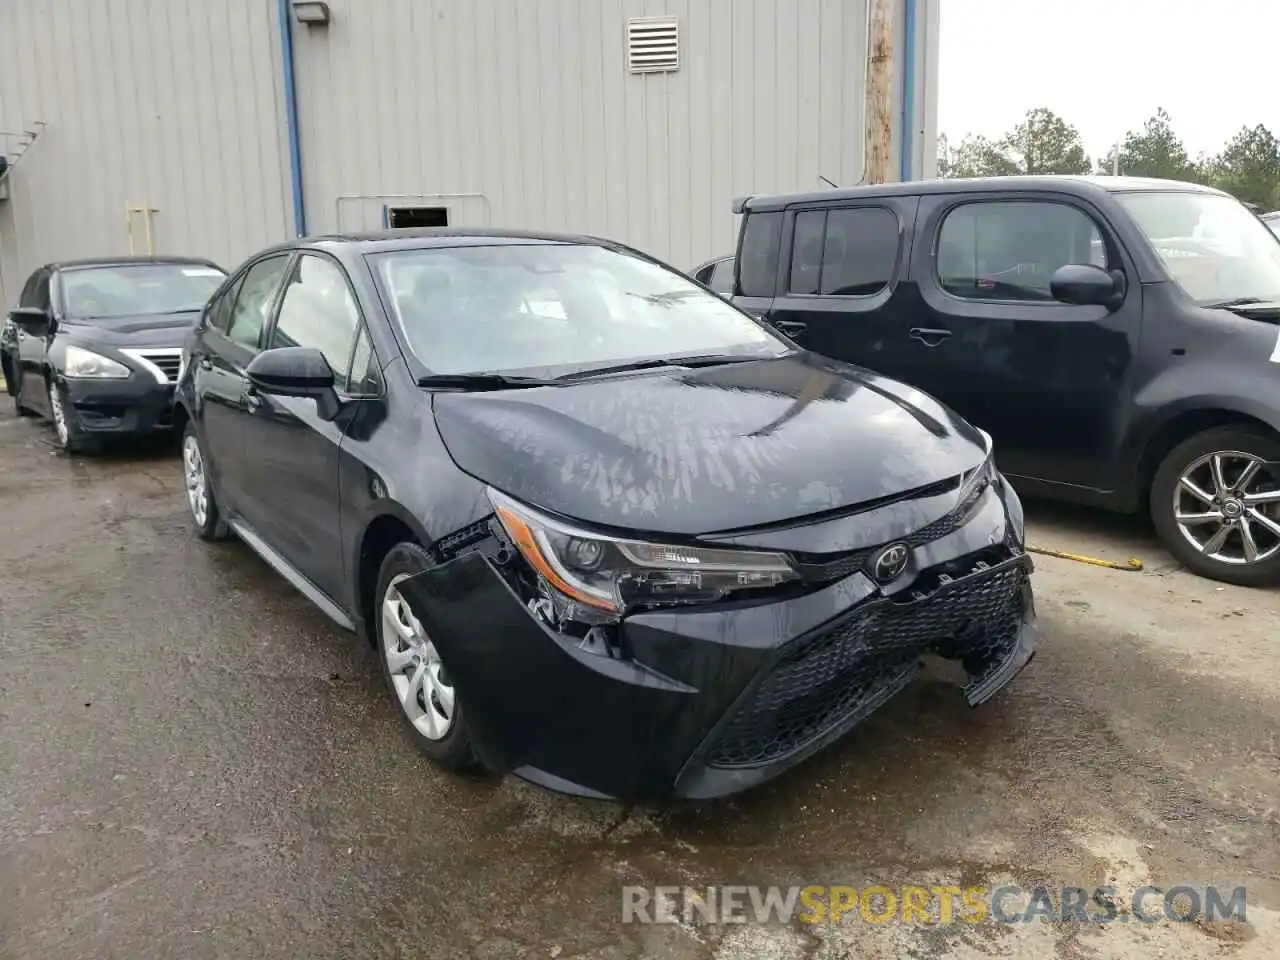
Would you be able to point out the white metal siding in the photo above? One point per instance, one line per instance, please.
(531, 105)
(147, 102)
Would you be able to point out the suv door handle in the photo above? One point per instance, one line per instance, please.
(791, 328)
(206, 363)
(929, 336)
(252, 399)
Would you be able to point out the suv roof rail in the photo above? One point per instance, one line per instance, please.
(740, 203)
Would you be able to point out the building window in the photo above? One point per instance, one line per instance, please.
(1009, 250)
(404, 218)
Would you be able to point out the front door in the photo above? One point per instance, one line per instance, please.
(30, 389)
(228, 341)
(1049, 381)
(840, 291)
(292, 451)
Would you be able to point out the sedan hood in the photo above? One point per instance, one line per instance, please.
(691, 452)
(145, 330)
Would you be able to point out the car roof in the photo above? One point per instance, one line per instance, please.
(127, 261)
(428, 237)
(1083, 186)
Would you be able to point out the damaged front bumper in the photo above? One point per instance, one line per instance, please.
(702, 702)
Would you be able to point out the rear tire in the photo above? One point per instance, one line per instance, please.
(433, 716)
(1215, 502)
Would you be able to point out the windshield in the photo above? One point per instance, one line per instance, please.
(1212, 246)
(507, 308)
(136, 289)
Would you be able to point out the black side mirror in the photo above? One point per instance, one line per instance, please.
(33, 320)
(1082, 284)
(295, 372)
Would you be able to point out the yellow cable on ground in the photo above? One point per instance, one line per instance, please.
(1133, 564)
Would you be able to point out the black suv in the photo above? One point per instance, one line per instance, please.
(1119, 338)
(606, 530)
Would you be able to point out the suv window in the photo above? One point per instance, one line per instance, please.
(1009, 249)
(845, 252)
(721, 279)
(758, 261)
(319, 311)
(254, 300)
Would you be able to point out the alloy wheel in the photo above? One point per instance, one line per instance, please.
(194, 478)
(1227, 506)
(59, 415)
(417, 673)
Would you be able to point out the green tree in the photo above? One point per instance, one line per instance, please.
(1044, 143)
(1249, 167)
(976, 156)
(1154, 151)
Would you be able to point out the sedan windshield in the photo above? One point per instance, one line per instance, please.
(504, 308)
(1211, 245)
(138, 289)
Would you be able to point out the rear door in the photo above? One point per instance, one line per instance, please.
(840, 287)
(292, 453)
(227, 344)
(1049, 381)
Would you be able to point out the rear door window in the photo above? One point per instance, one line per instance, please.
(844, 252)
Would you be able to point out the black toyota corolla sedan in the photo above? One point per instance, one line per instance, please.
(605, 530)
(96, 345)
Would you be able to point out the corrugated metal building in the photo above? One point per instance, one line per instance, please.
(203, 127)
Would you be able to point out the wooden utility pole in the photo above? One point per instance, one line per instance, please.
(879, 113)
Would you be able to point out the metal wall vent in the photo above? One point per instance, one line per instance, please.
(653, 44)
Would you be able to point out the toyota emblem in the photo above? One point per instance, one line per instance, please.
(890, 563)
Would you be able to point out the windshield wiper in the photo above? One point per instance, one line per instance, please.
(480, 381)
(701, 360)
(1238, 302)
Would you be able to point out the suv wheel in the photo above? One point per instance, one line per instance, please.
(419, 683)
(195, 477)
(1215, 502)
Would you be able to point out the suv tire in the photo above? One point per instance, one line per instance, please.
(1213, 464)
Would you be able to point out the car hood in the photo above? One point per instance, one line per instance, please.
(722, 448)
(146, 330)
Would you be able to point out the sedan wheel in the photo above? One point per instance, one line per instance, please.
(415, 669)
(197, 486)
(59, 416)
(1216, 504)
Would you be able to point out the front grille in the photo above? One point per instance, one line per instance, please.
(847, 671)
(169, 363)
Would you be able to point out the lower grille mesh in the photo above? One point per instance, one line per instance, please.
(849, 670)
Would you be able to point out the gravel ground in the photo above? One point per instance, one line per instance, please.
(194, 763)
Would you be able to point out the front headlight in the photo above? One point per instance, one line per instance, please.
(612, 575)
(85, 363)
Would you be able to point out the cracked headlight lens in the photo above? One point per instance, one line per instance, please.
(612, 575)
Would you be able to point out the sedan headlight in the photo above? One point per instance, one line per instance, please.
(612, 575)
(85, 363)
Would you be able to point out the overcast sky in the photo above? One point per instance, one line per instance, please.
(1105, 65)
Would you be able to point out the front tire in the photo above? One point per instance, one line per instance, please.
(202, 505)
(424, 697)
(1215, 501)
(66, 434)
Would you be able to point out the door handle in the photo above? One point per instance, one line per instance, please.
(206, 363)
(792, 328)
(252, 399)
(929, 336)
